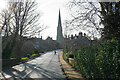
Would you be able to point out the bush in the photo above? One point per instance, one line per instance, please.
(33, 55)
(28, 48)
(30, 56)
(99, 61)
(24, 58)
(66, 56)
(41, 53)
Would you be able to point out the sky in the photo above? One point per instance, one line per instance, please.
(2, 4)
(49, 10)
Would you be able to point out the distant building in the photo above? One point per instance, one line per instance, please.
(49, 43)
(59, 29)
(77, 40)
(45, 45)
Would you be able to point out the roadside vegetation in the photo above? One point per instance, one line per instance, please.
(19, 24)
(100, 61)
(31, 56)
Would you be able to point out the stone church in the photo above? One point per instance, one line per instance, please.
(59, 29)
(76, 41)
(37, 45)
(60, 42)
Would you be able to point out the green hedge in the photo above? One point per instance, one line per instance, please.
(99, 61)
(66, 55)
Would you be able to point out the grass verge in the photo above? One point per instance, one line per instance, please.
(31, 56)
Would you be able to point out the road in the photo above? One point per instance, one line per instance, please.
(46, 66)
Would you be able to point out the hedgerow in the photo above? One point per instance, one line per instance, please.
(99, 62)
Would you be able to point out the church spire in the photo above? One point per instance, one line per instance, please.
(59, 29)
(59, 19)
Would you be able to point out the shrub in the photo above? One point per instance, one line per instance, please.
(41, 53)
(28, 48)
(24, 58)
(99, 61)
(33, 55)
(66, 56)
(30, 56)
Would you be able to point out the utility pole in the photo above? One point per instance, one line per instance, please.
(0, 52)
(1, 73)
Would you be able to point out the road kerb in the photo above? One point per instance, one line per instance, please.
(68, 70)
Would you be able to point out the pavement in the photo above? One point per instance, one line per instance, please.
(47, 66)
(70, 72)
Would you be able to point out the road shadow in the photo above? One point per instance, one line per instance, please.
(18, 74)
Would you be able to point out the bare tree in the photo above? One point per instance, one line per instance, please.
(85, 17)
(5, 22)
(26, 18)
(22, 20)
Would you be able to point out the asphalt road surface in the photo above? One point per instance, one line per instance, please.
(46, 66)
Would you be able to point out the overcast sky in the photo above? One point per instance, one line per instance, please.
(49, 10)
(2, 4)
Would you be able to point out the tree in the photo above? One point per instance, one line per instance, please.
(26, 18)
(110, 12)
(86, 17)
(21, 21)
(6, 30)
(5, 22)
(96, 18)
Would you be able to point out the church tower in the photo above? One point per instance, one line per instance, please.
(59, 29)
